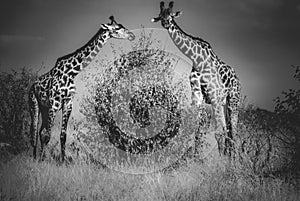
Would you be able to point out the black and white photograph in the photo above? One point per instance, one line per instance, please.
(182, 100)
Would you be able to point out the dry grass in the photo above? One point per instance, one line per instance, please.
(24, 179)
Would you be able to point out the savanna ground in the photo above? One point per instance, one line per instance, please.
(266, 165)
(24, 179)
(267, 169)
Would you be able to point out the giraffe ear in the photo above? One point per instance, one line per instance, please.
(177, 14)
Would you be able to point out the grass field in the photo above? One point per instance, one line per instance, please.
(25, 179)
(266, 144)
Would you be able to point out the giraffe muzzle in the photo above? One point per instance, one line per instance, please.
(131, 36)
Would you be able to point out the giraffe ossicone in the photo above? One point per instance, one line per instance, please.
(54, 90)
(212, 81)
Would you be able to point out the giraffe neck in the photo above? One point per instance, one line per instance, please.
(73, 63)
(196, 49)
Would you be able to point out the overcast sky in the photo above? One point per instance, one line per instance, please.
(259, 38)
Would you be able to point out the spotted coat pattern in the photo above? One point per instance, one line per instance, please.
(54, 90)
(212, 81)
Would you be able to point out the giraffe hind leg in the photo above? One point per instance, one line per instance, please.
(34, 114)
(66, 112)
(44, 136)
(48, 115)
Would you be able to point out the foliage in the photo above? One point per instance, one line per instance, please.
(290, 104)
(256, 138)
(143, 69)
(268, 142)
(14, 114)
(289, 110)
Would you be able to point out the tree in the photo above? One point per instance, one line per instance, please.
(269, 141)
(14, 116)
(288, 108)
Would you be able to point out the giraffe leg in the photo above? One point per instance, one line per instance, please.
(233, 129)
(66, 111)
(204, 124)
(49, 115)
(233, 104)
(220, 127)
(229, 143)
(198, 100)
(34, 114)
(197, 96)
(44, 113)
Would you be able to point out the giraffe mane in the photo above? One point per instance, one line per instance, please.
(99, 32)
(192, 37)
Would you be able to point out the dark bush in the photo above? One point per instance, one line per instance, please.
(14, 115)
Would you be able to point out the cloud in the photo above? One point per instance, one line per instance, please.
(6, 38)
(257, 4)
(258, 13)
(257, 7)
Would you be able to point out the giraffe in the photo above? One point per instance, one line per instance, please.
(54, 90)
(212, 81)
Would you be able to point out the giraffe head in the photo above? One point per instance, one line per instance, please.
(116, 30)
(166, 15)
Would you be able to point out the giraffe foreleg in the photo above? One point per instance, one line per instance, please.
(45, 115)
(45, 137)
(34, 114)
(233, 110)
(204, 124)
(221, 129)
(231, 142)
(66, 112)
(197, 96)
